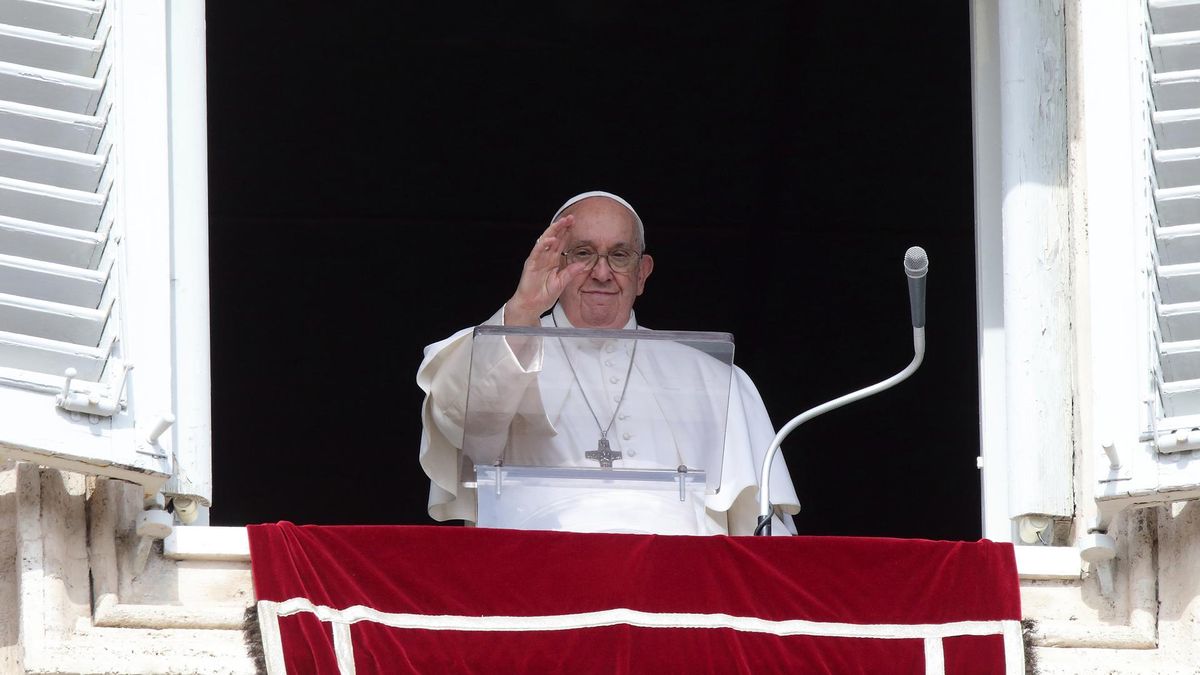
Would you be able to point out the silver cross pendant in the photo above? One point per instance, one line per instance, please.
(603, 454)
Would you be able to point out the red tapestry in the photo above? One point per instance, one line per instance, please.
(465, 600)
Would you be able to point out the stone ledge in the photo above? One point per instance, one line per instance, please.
(207, 543)
(1048, 562)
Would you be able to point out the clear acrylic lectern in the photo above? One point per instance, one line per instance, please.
(596, 430)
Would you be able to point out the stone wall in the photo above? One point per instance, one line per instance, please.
(1149, 622)
(72, 599)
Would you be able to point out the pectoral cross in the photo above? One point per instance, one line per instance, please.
(603, 454)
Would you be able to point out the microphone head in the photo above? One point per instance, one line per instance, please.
(916, 262)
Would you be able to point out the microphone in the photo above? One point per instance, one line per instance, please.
(916, 266)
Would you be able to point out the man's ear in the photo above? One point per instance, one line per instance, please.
(645, 267)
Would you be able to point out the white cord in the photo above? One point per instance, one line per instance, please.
(764, 498)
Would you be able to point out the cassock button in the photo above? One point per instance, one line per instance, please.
(616, 399)
(631, 452)
(609, 363)
(614, 379)
(627, 435)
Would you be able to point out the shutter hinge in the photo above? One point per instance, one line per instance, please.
(1172, 440)
(95, 405)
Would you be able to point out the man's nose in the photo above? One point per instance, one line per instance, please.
(601, 271)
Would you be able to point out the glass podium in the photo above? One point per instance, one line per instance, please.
(596, 430)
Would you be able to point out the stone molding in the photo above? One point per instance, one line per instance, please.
(80, 608)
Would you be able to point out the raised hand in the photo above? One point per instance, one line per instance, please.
(542, 279)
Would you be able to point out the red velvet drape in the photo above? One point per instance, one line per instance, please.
(766, 604)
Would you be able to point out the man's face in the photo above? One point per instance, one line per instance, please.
(601, 297)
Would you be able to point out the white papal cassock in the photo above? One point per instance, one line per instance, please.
(641, 431)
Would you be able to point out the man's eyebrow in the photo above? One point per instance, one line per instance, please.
(588, 242)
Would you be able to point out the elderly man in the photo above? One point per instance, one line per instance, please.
(586, 270)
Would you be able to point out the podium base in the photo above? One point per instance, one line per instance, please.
(591, 500)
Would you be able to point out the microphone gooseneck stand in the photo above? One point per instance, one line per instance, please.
(916, 265)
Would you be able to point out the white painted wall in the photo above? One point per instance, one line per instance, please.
(989, 268)
(1035, 228)
(189, 254)
(1024, 261)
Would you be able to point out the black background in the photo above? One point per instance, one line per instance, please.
(378, 171)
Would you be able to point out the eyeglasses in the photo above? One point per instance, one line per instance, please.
(619, 259)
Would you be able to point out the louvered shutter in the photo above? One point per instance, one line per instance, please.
(1174, 181)
(57, 283)
(103, 240)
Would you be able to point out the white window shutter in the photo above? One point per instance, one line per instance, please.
(1173, 174)
(98, 271)
(1140, 136)
(57, 291)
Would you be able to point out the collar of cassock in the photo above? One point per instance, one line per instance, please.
(561, 320)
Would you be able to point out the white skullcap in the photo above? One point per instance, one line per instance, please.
(641, 230)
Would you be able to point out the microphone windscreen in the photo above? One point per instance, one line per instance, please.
(916, 262)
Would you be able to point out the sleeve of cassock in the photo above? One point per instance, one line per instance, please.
(443, 376)
(747, 437)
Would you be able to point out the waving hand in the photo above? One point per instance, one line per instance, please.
(542, 279)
